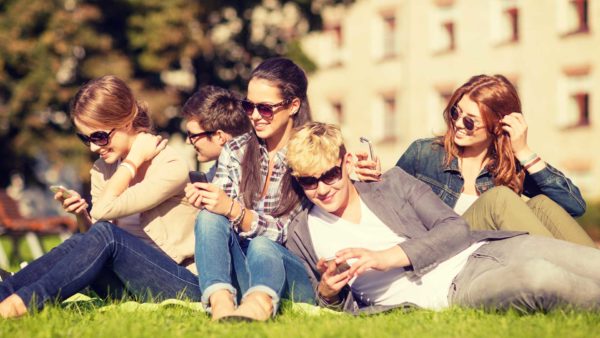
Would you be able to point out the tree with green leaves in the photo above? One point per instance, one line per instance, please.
(163, 49)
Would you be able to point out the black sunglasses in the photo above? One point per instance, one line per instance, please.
(329, 177)
(99, 138)
(468, 122)
(264, 109)
(194, 137)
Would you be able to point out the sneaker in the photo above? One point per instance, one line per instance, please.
(4, 274)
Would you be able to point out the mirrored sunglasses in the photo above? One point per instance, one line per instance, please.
(99, 138)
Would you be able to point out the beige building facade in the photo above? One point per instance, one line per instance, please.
(387, 68)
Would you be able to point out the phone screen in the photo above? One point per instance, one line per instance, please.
(197, 176)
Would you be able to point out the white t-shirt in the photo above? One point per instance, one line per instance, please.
(330, 234)
(464, 202)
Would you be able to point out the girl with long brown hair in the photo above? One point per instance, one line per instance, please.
(246, 210)
(483, 164)
(140, 240)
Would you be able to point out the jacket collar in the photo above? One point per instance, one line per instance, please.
(454, 167)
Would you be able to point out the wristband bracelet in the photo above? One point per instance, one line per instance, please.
(129, 166)
(230, 209)
(524, 162)
(238, 220)
(532, 163)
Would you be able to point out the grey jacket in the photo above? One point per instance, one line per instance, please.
(433, 231)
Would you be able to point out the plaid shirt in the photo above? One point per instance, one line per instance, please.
(229, 176)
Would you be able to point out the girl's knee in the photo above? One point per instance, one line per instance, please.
(499, 194)
(207, 221)
(262, 245)
(104, 227)
(540, 201)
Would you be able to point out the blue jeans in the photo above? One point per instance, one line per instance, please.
(529, 273)
(226, 262)
(81, 260)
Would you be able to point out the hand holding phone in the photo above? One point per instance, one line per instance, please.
(371, 152)
(341, 267)
(367, 167)
(197, 176)
(59, 188)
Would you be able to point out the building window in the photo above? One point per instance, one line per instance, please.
(580, 7)
(444, 28)
(338, 111)
(389, 35)
(574, 98)
(573, 17)
(581, 104)
(512, 15)
(504, 20)
(439, 98)
(389, 118)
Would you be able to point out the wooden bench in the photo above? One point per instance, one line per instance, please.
(15, 226)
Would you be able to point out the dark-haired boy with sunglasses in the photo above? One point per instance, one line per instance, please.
(405, 247)
(213, 116)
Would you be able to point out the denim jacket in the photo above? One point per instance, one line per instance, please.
(424, 159)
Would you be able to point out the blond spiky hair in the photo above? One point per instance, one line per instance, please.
(314, 148)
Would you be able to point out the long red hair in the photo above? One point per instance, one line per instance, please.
(496, 97)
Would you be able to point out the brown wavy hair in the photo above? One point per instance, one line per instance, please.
(496, 97)
(108, 102)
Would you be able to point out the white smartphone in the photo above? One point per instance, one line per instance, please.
(57, 188)
(371, 152)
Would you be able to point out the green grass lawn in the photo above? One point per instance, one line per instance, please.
(117, 319)
(93, 321)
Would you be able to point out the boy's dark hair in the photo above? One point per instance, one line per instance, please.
(217, 108)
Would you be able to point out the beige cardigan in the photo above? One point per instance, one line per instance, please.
(165, 215)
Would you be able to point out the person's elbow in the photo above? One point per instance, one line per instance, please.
(577, 209)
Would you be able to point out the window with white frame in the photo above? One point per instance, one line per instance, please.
(435, 117)
(504, 21)
(385, 118)
(389, 34)
(443, 28)
(572, 16)
(337, 109)
(574, 94)
(389, 117)
(385, 40)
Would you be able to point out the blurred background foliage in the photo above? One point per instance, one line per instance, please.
(163, 49)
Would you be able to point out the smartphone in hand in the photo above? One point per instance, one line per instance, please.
(65, 192)
(344, 266)
(197, 176)
(371, 152)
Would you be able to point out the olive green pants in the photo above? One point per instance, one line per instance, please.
(502, 209)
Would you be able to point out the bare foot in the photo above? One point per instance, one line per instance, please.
(12, 307)
(221, 304)
(257, 306)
